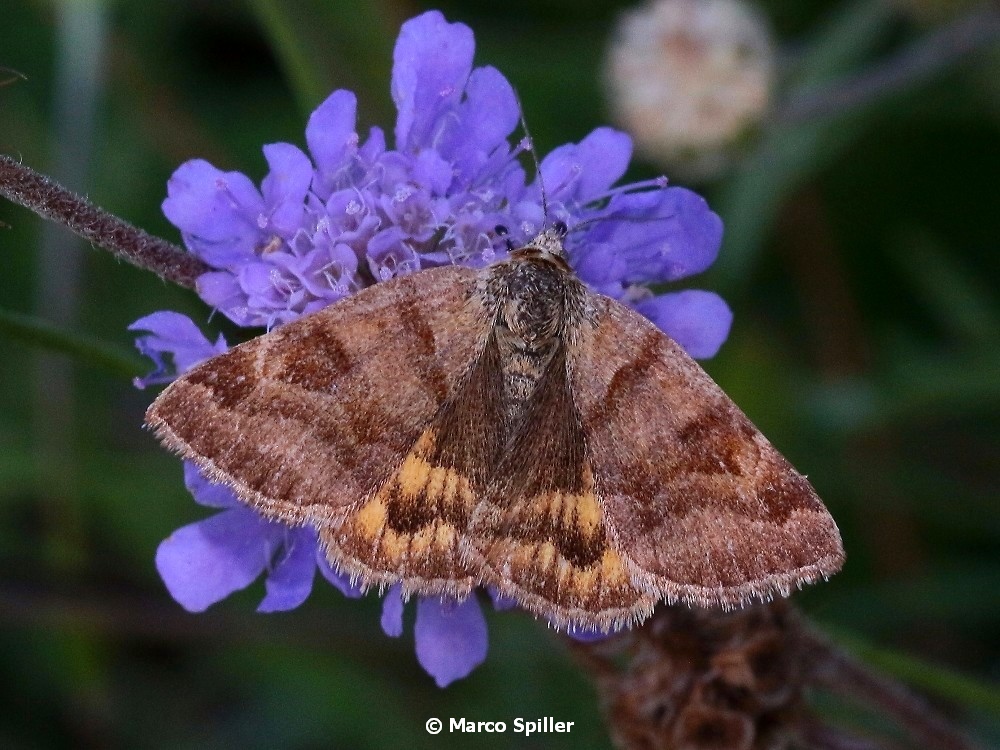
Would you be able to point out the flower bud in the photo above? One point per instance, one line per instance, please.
(689, 79)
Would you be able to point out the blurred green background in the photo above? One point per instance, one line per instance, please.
(860, 261)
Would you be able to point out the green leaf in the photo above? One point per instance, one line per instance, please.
(787, 155)
(40, 333)
(324, 45)
(941, 681)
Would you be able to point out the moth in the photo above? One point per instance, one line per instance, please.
(505, 427)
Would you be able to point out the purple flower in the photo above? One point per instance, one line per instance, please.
(206, 561)
(350, 211)
(354, 211)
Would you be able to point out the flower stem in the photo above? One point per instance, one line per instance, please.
(922, 60)
(52, 201)
(843, 674)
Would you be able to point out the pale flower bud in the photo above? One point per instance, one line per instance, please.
(688, 78)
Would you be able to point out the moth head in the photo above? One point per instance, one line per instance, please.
(547, 245)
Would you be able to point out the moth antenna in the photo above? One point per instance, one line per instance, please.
(538, 165)
(584, 224)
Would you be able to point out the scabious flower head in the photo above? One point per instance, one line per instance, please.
(689, 79)
(352, 212)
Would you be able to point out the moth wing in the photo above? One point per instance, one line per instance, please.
(537, 534)
(412, 530)
(699, 503)
(308, 422)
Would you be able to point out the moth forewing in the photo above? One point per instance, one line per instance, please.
(701, 505)
(320, 421)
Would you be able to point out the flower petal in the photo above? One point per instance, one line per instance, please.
(390, 255)
(431, 63)
(501, 603)
(176, 335)
(222, 290)
(590, 635)
(582, 172)
(483, 121)
(432, 171)
(284, 189)
(207, 492)
(451, 638)
(663, 235)
(205, 562)
(340, 581)
(216, 211)
(697, 320)
(291, 580)
(392, 612)
(330, 133)
(600, 266)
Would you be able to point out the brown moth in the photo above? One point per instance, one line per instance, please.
(505, 427)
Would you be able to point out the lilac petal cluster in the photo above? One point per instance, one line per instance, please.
(352, 211)
(349, 211)
(451, 638)
(174, 343)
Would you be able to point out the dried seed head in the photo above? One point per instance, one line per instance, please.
(705, 680)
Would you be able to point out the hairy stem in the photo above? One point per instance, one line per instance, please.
(52, 201)
(922, 60)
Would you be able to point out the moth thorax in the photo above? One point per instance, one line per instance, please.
(532, 299)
